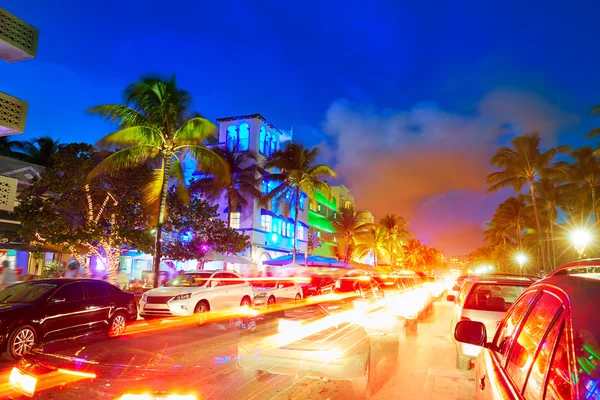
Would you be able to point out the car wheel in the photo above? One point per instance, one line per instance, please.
(117, 325)
(360, 386)
(298, 297)
(201, 311)
(21, 340)
(463, 363)
(246, 302)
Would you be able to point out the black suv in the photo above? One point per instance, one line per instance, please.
(49, 309)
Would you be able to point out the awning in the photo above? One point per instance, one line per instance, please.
(226, 210)
(214, 256)
(303, 224)
(312, 261)
(268, 212)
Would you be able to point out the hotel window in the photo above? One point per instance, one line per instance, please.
(319, 207)
(273, 144)
(265, 223)
(232, 138)
(244, 137)
(274, 223)
(264, 186)
(348, 205)
(290, 229)
(312, 206)
(275, 205)
(234, 220)
(302, 200)
(261, 140)
(300, 234)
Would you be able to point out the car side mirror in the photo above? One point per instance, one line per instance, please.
(280, 286)
(451, 297)
(58, 300)
(471, 332)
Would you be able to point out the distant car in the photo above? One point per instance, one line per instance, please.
(588, 266)
(319, 284)
(546, 346)
(49, 309)
(484, 299)
(269, 292)
(197, 293)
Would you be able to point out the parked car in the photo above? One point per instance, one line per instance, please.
(197, 293)
(49, 309)
(485, 299)
(269, 292)
(588, 266)
(319, 284)
(546, 346)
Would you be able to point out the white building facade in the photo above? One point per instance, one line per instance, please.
(269, 229)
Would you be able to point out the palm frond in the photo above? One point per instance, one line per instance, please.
(131, 136)
(210, 162)
(593, 133)
(124, 116)
(177, 173)
(153, 190)
(322, 171)
(122, 159)
(194, 132)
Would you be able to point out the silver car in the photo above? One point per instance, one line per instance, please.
(484, 299)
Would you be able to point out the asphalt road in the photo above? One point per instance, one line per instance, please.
(203, 360)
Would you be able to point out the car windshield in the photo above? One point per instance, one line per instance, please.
(493, 296)
(28, 292)
(190, 280)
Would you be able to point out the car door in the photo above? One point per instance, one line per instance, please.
(219, 292)
(99, 303)
(65, 312)
(236, 289)
(286, 290)
(327, 284)
(505, 369)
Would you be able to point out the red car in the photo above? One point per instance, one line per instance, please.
(546, 347)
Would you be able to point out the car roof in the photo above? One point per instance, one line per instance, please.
(503, 281)
(62, 281)
(564, 269)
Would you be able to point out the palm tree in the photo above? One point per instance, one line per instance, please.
(512, 215)
(241, 183)
(414, 252)
(521, 166)
(585, 171)
(396, 234)
(551, 194)
(594, 111)
(155, 126)
(347, 225)
(41, 150)
(296, 172)
(372, 241)
(12, 148)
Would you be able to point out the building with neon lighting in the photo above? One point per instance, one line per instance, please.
(269, 229)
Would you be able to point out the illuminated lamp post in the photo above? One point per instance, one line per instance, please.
(580, 238)
(521, 259)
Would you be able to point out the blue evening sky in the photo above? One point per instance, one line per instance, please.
(291, 60)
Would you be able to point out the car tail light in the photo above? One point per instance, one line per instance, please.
(465, 319)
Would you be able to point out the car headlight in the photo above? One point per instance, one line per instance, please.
(259, 295)
(144, 298)
(184, 296)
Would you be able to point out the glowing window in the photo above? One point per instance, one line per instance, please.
(234, 220)
(300, 234)
(266, 222)
(244, 137)
(261, 140)
(232, 138)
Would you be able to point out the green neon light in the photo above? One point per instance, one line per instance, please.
(582, 362)
(318, 221)
(592, 352)
(321, 198)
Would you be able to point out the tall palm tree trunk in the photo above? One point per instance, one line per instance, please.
(519, 233)
(162, 210)
(553, 246)
(594, 210)
(537, 222)
(347, 249)
(375, 257)
(296, 210)
(548, 254)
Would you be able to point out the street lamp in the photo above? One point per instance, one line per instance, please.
(580, 238)
(521, 259)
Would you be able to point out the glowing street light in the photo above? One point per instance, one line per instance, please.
(580, 238)
(521, 259)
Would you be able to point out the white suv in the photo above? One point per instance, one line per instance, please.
(269, 292)
(195, 293)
